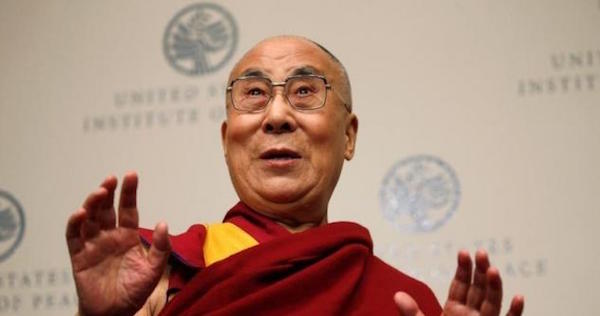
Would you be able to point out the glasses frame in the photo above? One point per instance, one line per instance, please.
(278, 84)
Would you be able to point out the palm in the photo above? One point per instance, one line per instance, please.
(452, 308)
(477, 293)
(113, 272)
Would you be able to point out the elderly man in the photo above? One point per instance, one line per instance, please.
(289, 129)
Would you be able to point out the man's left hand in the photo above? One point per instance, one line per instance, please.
(471, 294)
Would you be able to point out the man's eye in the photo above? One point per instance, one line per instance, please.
(255, 92)
(304, 91)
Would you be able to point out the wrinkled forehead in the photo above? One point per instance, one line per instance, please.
(279, 58)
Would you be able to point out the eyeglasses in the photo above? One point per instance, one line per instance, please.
(303, 92)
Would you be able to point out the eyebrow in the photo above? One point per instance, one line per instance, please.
(253, 72)
(306, 70)
(302, 70)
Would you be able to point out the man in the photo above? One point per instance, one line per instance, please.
(288, 130)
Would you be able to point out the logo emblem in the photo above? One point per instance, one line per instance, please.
(12, 224)
(200, 39)
(419, 194)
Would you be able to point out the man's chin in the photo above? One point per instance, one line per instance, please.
(283, 197)
(288, 205)
(280, 194)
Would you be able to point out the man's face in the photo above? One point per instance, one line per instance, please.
(283, 162)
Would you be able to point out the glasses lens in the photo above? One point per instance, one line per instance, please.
(250, 94)
(306, 93)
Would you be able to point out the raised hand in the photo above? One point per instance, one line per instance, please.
(114, 274)
(471, 294)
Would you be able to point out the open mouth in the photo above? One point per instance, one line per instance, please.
(279, 154)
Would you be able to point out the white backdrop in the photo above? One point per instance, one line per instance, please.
(502, 94)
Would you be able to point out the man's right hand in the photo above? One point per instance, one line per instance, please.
(114, 274)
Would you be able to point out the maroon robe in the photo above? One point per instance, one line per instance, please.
(327, 270)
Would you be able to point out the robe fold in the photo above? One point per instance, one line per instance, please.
(327, 270)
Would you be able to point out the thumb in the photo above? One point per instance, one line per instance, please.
(407, 305)
(160, 248)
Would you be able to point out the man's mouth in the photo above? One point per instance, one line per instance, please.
(280, 154)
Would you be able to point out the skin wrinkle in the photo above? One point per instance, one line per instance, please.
(298, 196)
(300, 71)
(346, 88)
(342, 88)
(113, 272)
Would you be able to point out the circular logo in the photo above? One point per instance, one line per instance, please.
(12, 224)
(419, 193)
(200, 39)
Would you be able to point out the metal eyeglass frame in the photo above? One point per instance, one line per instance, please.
(279, 84)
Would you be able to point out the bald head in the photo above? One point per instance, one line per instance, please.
(340, 80)
(283, 161)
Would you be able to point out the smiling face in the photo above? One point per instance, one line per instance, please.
(285, 163)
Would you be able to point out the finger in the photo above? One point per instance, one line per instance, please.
(91, 226)
(516, 306)
(459, 287)
(493, 294)
(106, 213)
(476, 292)
(160, 248)
(89, 230)
(93, 202)
(128, 214)
(407, 306)
(73, 232)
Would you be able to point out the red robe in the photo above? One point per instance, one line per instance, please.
(327, 270)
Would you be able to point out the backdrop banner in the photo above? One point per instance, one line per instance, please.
(479, 128)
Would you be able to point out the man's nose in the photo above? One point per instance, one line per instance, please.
(279, 115)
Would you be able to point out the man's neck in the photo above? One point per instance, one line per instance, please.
(302, 226)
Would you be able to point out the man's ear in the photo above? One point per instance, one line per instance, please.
(351, 133)
(223, 140)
